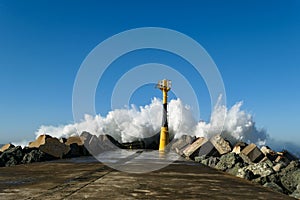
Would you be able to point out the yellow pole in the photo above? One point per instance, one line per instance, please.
(164, 134)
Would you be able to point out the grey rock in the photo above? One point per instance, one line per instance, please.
(274, 178)
(11, 162)
(278, 166)
(292, 166)
(36, 155)
(12, 156)
(258, 169)
(204, 162)
(212, 161)
(2, 163)
(260, 180)
(228, 161)
(274, 187)
(209, 161)
(235, 169)
(245, 174)
(296, 193)
(200, 158)
(268, 162)
(291, 180)
(262, 169)
(245, 159)
(31, 157)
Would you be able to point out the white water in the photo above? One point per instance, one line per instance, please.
(126, 125)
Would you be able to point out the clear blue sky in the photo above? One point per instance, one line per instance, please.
(255, 44)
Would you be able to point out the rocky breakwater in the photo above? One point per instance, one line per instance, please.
(279, 171)
(44, 148)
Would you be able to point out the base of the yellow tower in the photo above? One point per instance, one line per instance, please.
(164, 138)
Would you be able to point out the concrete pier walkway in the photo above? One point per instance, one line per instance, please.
(86, 178)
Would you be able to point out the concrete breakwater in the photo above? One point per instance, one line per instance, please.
(86, 178)
(279, 171)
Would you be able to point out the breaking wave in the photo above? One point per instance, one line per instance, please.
(127, 125)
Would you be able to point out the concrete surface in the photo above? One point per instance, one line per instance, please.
(86, 178)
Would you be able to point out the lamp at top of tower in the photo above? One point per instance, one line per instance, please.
(164, 84)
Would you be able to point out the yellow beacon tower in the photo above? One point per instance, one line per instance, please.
(164, 86)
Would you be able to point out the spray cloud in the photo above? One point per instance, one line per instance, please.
(127, 125)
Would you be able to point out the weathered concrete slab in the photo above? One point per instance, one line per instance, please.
(99, 144)
(39, 141)
(54, 148)
(182, 143)
(285, 157)
(269, 153)
(278, 166)
(50, 145)
(6, 146)
(220, 144)
(91, 142)
(194, 146)
(74, 140)
(207, 149)
(107, 142)
(238, 147)
(253, 153)
(267, 150)
(84, 178)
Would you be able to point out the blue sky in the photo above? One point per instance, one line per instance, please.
(255, 45)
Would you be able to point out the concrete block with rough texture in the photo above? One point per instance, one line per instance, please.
(238, 147)
(253, 153)
(207, 149)
(220, 144)
(181, 143)
(54, 147)
(39, 141)
(75, 140)
(6, 146)
(194, 146)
